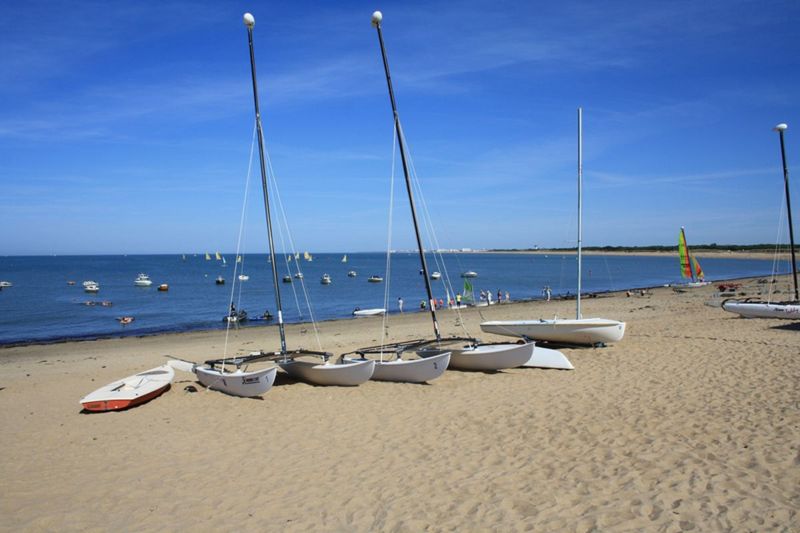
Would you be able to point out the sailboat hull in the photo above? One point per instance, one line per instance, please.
(576, 331)
(348, 374)
(244, 384)
(485, 356)
(762, 309)
(411, 370)
(547, 358)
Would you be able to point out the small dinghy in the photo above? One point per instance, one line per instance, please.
(220, 280)
(236, 383)
(369, 312)
(326, 279)
(352, 274)
(375, 279)
(287, 279)
(131, 391)
(163, 287)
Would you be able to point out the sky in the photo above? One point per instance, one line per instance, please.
(127, 126)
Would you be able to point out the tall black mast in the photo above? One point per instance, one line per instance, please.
(376, 21)
(780, 128)
(250, 21)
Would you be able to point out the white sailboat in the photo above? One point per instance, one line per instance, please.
(751, 308)
(439, 353)
(242, 382)
(592, 331)
(344, 259)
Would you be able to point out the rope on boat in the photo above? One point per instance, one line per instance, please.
(388, 276)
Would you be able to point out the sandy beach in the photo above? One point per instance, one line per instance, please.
(691, 423)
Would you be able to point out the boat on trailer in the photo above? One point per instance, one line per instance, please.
(131, 391)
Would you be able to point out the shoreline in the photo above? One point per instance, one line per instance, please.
(257, 327)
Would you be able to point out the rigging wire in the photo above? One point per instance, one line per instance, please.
(389, 244)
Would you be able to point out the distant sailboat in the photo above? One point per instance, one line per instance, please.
(307, 256)
(690, 268)
(238, 258)
(208, 257)
(344, 259)
(218, 257)
(297, 255)
(224, 263)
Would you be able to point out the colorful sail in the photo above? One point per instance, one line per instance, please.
(307, 256)
(698, 272)
(219, 257)
(683, 252)
(468, 294)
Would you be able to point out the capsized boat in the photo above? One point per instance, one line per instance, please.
(131, 391)
(591, 331)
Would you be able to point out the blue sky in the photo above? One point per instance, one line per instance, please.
(125, 127)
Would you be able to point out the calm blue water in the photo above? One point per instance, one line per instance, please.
(42, 307)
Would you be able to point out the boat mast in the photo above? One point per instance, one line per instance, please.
(376, 21)
(580, 207)
(780, 128)
(250, 21)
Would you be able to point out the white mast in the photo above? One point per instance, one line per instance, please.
(580, 205)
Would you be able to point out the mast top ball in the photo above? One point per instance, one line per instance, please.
(780, 127)
(377, 17)
(249, 20)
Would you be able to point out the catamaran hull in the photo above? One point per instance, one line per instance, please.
(348, 374)
(238, 383)
(547, 358)
(484, 356)
(577, 331)
(412, 370)
(369, 312)
(763, 310)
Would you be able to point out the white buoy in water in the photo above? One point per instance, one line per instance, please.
(249, 20)
(377, 17)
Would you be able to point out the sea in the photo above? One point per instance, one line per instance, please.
(43, 306)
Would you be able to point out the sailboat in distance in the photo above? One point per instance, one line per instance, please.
(690, 267)
(591, 331)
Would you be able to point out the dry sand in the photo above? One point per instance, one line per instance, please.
(692, 422)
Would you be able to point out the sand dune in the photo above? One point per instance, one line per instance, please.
(692, 422)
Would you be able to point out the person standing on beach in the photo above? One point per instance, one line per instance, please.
(400, 303)
(499, 296)
(458, 300)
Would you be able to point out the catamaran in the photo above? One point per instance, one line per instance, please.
(690, 267)
(436, 354)
(591, 331)
(756, 309)
(245, 383)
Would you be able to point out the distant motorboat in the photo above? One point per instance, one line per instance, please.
(436, 275)
(70, 283)
(220, 280)
(4, 284)
(352, 274)
(91, 288)
(375, 279)
(326, 279)
(287, 279)
(143, 280)
(299, 275)
(163, 287)
(125, 320)
(87, 283)
(469, 274)
(243, 277)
